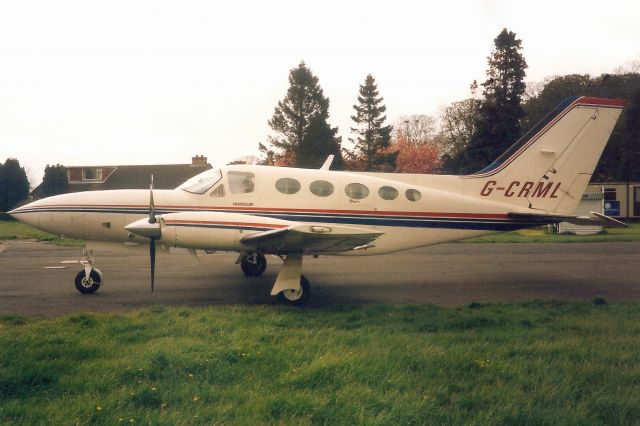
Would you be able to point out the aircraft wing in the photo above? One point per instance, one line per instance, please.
(546, 218)
(312, 239)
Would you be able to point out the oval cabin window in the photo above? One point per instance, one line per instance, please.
(357, 191)
(413, 194)
(388, 193)
(287, 185)
(321, 188)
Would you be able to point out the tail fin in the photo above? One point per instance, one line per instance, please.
(550, 166)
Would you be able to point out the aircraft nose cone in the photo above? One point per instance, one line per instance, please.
(143, 228)
(20, 214)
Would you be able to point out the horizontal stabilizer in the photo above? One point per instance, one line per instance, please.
(545, 219)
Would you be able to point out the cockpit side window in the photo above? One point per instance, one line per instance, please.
(218, 191)
(241, 182)
(201, 183)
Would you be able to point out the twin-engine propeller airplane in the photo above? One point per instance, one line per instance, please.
(259, 210)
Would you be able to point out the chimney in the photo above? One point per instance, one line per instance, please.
(198, 160)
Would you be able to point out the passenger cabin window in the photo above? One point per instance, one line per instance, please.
(287, 185)
(357, 191)
(413, 194)
(241, 182)
(201, 183)
(218, 192)
(321, 188)
(388, 193)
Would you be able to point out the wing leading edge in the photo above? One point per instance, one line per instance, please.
(312, 239)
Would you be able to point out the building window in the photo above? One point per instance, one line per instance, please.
(413, 194)
(241, 182)
(91, 174)
(609, 194)
(321, 188)
(287, 185)
(357, 191)
(388, 193)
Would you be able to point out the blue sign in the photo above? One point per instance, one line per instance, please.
(611, 208)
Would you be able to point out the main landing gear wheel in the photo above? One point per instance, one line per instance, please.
(89, 284)
(296, 297)
(253, 265)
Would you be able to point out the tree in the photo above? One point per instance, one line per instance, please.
(555, 90)
(54, 182)
(457, 126)
(303, 137)
(14, 185)
(414, 157)
(416, 129)
(500, 115)
(620, 160)
(372, 137)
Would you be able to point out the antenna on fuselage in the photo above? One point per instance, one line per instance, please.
(327, 162)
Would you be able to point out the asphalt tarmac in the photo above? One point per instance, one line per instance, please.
(444, 275)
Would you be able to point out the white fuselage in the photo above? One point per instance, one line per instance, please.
(410, 214)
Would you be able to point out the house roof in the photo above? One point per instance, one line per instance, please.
(165, 176)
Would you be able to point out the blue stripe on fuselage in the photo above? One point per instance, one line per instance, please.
(407, 221)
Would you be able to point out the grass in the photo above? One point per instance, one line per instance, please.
(541, 235)
(14, 230)
(534, 363)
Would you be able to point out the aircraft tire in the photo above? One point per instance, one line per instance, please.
(294, 298)
(253, 269)
(85, 286)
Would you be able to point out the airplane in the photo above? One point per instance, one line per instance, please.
(291, 213)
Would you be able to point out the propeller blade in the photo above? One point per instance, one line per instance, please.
(152, 256)
(152, 208)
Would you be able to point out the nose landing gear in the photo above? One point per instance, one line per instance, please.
(88, 280)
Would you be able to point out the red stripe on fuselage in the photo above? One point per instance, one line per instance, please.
(274, 210)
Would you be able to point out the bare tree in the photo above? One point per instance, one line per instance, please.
(457, 125)
(415, 129)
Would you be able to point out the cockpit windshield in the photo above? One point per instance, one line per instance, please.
(201, 183)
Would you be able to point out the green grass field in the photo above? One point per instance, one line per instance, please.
(14, 230)
(541, 235)
(535, 363)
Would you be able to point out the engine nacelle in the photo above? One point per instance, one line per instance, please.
(214, 230)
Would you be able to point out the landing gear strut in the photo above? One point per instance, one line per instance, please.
(88, 280)
(253, 265)
(291, 287)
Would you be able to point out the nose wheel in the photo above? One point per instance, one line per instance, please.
(253, 265)
(88, 283)
(89, 279)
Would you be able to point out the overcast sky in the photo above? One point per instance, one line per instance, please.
(153, 82)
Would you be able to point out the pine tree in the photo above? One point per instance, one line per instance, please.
(14, 184)
(303, 138)
(501, 113)
(372, 137)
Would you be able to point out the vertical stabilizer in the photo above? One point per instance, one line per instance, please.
(550, 166)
